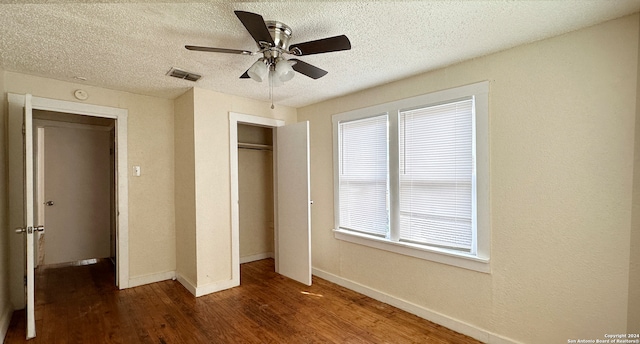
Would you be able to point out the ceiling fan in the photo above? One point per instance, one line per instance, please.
(272, 38)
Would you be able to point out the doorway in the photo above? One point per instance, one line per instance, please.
(18, 207)
(75, 189)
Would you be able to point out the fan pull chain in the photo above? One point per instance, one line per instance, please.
(271, 89)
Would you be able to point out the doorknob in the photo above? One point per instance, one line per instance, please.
(29, 229)
(48, 203)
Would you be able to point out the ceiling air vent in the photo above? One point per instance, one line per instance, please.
(181, 74)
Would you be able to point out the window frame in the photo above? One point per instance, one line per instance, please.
(478, 258)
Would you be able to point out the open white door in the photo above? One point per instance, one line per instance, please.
(294, 202)
(29, 228)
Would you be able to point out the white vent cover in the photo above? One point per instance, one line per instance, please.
(181, 74)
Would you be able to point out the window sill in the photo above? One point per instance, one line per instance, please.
(443, 256)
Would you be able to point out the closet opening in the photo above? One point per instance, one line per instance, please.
(256, 195)
(285, 199)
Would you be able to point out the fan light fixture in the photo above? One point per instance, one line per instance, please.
(284, 71)
(258, 71)
(279, 72)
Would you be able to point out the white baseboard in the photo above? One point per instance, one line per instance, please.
(152, 278)
(198, 291)
(438, 318)
(253, 258)
(5, 319)
(215, 287)
(190, 286)
(498, 339)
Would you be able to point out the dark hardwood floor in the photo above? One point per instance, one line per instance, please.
(80, 304)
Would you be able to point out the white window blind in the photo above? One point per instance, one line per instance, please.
(436, 175)
(363, 161)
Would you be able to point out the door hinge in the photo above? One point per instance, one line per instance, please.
(24, 130)
(25, 280)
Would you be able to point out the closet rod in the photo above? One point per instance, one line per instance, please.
(255, 146)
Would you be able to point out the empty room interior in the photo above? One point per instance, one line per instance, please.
(320, 172)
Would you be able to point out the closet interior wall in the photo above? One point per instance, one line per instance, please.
(255, 187)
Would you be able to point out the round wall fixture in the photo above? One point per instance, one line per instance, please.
(81, 94)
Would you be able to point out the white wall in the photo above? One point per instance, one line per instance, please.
(562, 127)
(76, 179)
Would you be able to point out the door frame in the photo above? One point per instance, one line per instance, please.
(234, 120)
(15, 105)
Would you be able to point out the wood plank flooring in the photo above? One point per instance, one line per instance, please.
(80, 304)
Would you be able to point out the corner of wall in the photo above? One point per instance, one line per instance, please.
(633, 308)
(184, 186)
(5, 318)
(6, 309)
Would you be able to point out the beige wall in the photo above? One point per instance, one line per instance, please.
(633, 318)
(212, 180)
(150, 145)
(255, 191)
(185, 188)
(562, 115)
(76, 178)
(5, 303)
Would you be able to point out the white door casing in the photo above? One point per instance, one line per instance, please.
(28, 228)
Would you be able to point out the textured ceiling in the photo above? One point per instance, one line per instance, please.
(130, 46)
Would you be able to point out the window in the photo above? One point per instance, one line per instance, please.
(363, 175)
(412, 176)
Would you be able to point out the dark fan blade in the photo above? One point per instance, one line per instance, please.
(319, 46)
(218, 50)
(245, 75)
(254, 23)
(308, 70)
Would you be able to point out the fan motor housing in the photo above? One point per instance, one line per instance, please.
(281, 34)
